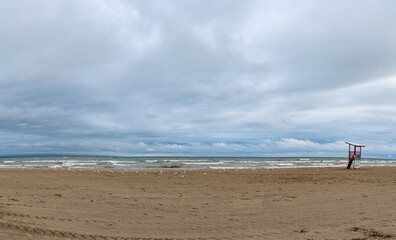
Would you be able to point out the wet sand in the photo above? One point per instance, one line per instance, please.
(310, 203)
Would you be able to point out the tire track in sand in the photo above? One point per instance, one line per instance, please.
(7, 224)
(69, 235)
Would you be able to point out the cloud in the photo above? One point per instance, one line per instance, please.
(196, 78)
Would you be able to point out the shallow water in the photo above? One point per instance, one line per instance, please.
(182, 162)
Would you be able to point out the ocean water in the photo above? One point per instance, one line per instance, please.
(182, 162)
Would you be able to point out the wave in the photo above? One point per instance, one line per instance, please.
(183, 162)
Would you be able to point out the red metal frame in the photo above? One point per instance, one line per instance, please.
(355, 153)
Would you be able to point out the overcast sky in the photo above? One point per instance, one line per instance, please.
(229, 78)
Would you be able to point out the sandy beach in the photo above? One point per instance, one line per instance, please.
(309, 203)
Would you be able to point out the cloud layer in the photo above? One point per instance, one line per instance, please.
(197, 78)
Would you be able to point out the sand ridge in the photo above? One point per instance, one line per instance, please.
(309, 203)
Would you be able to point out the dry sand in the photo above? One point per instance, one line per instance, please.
(325, 203)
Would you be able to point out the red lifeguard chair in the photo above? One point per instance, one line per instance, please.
(354, 155)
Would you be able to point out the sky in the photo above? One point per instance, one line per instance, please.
(197, 78)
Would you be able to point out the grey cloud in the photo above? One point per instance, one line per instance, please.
(183, 76)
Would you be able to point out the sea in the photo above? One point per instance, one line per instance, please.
(183, 162)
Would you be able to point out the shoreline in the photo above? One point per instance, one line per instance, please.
(179, 169)
(282, 203)
(184, 162)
